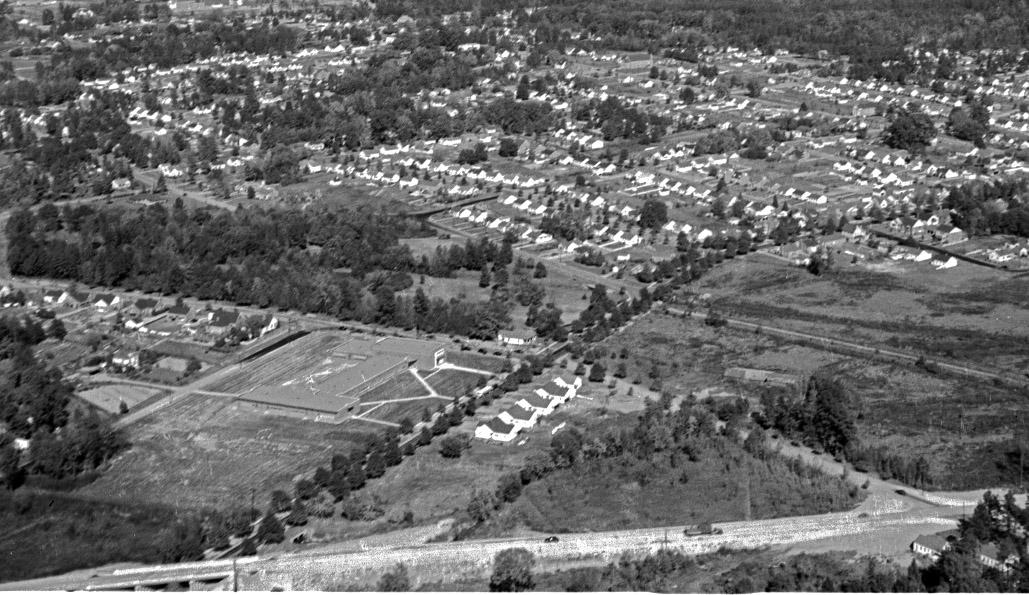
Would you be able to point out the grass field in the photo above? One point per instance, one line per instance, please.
(453, 383)
(967, 313)
(690, 356)
(210, 451)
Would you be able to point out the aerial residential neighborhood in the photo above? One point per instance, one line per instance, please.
(511, 295)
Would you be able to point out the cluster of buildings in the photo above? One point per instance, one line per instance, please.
(528, 410)
(155, 318)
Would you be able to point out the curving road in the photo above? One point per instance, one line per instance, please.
(318, 567)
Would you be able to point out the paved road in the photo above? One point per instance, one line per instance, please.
(328, 564)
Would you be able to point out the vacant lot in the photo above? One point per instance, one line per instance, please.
(210, 451)
(967, 313)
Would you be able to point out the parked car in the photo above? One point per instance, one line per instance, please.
(551, 539)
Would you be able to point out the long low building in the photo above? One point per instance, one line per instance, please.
(331, 391)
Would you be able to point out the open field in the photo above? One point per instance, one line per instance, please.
(967, 313)
(210, 451)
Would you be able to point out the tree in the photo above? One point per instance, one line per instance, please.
(910, 131)
(508, 147)
(509, 487)
(57, 330)
(451, 447)
(248, 547)
(10, 467)
(270, 530)
(512, 571)
(484, 277)
(597, 373)
(394, 580)
(653, 214)
(280, 501)
(298, 516)
(481, 505)
(376, 465)
(540, 271)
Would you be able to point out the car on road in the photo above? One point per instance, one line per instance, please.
(701, 529)
(551, 539)
(901, 492)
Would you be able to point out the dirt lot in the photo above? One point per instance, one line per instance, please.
(209, 451)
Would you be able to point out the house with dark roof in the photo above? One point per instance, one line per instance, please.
(495, 429)
(144, 306)
(222, 319)
(179, 311)
(518, 417)
(935, 544)
(103, 301)
(540, 404)
(553, 390)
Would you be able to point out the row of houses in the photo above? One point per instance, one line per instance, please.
(528, 410)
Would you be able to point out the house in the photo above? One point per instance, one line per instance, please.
(179, 311)
(54, 296)
(495, 429)
(949, 234)
(268, 323)
(103, 301)
(518, 417)
(854, 231)
(541, 404)
(125, 358)
(933, 545)
(575, 383)
(516, 338)
(222, 319)
(553, 390)
(144, 306)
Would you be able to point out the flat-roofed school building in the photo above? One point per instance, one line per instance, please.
(330, 391)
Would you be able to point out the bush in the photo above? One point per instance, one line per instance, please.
(451, 447)
(270, 530)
